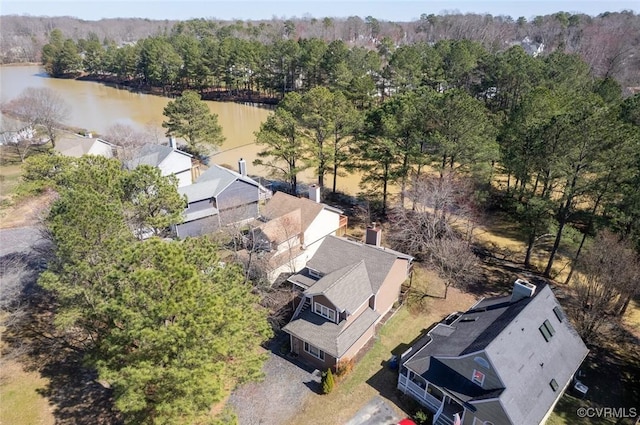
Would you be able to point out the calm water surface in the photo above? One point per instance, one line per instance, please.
(95, 107)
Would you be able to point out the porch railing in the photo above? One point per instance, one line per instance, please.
(419, 393)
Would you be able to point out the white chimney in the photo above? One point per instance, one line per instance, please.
(522, 289)
(242, 167)
(90, 135)
(373, 235)
(314, 193)
(172, 143)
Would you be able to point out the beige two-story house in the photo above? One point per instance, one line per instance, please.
(348, 287)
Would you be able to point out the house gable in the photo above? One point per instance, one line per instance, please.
(496, 350)
(527, 363)
(346, 288)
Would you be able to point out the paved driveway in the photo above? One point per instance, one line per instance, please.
(376, 412)
(279, 396)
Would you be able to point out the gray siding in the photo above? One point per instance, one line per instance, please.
(240, 213)
(199, 206)
(466, 365)
(197, 227)
(488, 411)
(236, 194)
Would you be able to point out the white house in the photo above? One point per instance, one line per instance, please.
(169, 159)
(77, 146)
(294, 228)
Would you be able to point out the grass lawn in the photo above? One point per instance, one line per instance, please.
(371, 376)
(20, 402)
(9, 178)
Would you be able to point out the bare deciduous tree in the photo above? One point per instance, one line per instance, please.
(608, 278)
(439, 227)
(40, 107)
(128, 139)
(15, 134)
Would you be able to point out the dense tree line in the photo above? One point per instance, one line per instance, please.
(562, 146)
(609, 42)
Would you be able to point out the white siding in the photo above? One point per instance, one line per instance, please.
(325, 223)
(101, 149)
(178, 164)
(184, 178)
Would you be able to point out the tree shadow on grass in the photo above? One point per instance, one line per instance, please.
(31, 337)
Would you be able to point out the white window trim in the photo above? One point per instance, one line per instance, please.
(319, 309)
(307, 348)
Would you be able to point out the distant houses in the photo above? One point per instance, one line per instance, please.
(169, 159)
(76, 146)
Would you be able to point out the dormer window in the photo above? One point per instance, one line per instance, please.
(324, 311)
(315, 273)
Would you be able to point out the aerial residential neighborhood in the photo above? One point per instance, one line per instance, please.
(354, 213)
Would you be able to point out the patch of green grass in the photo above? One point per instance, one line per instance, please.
(9, 179)
(21, 404)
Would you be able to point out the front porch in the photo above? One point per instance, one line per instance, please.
(440, 404)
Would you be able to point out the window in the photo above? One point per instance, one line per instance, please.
(315, 273)
(324, 311)
(478, 377)
(558, 312)
(554, 385)
(314, 351)
(482, 362)
(547, 330)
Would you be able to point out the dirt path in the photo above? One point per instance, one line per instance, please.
(26, 213)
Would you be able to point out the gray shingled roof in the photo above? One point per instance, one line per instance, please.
(456, 384)
(151, 154)
(508, 332)
(346, 288)
(212, 182)
(335, 253)
(329, 337)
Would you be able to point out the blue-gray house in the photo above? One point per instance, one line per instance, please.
(506, 360)
(218, 197)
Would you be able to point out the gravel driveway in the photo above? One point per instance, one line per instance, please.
(19, 240)
(279, 396)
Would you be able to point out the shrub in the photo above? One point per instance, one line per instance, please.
(344, 367)
(327, 382)
(421, 417)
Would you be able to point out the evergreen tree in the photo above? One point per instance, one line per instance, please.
(189, 117)
(282, 137)
(327, 382)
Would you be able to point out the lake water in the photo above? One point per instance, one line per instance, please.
(95, 107)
